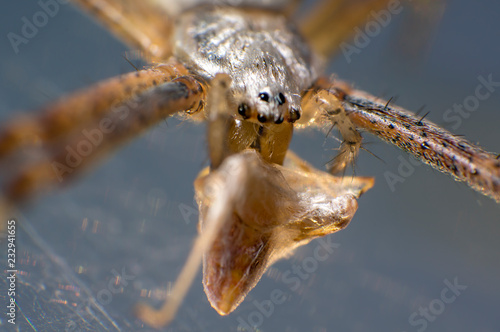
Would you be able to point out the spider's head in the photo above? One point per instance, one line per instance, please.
(267, 106)
(266, 88)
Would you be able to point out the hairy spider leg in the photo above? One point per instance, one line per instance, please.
(327, 105)
(423, 139)
(427, 142)
(64, 116)
(119, 117)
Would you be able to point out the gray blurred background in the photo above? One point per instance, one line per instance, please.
(89, 252)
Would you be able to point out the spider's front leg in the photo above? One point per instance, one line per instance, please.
(71, 134)
(423, 139)
(322, 107)
(252, 213)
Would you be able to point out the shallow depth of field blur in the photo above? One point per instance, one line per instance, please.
(92, 250)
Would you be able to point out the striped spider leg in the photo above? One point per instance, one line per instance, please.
(426, 141)
(57, 141)
(338, 105)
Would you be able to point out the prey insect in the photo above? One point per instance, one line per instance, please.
(273, 85)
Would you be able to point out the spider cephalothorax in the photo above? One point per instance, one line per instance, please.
(270, 65)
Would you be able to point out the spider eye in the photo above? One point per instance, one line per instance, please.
(280, 98)
(279, 119)
(264, 96)
(294, 115)
(262, 118)
(243, 110)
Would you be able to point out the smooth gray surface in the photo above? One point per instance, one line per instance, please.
(391, 260)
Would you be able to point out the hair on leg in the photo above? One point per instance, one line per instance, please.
(321, 107)
(426, 141)
(80, 149)
(61, 118)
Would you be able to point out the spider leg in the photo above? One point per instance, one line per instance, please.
(291, 7)
(333, 21)
(321, 107)
(423, 139)
(145, 25)
(428, 142)
(82, 145)
(64, 116)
